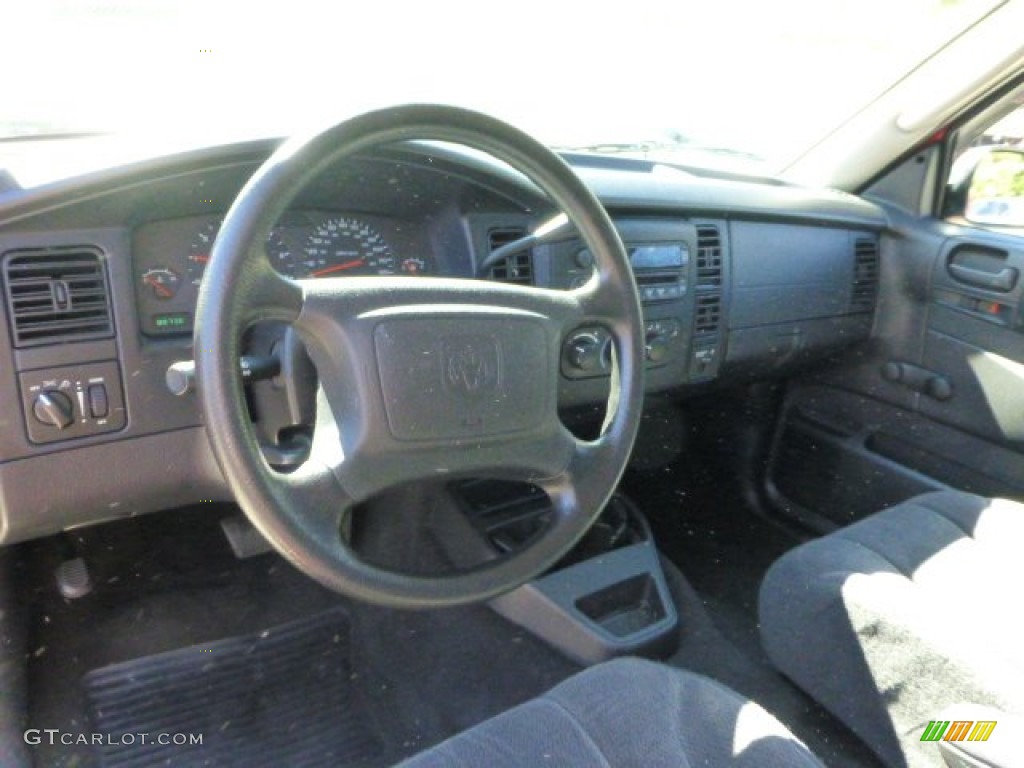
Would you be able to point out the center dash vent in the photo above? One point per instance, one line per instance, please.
(56, 295)
(517, 268)
(709, 307)
(709, 314)
(709, 256)
(865, 275)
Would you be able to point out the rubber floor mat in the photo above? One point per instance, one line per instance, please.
(281, 697)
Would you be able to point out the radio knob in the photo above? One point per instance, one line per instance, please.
(585, 352)
(54, 409)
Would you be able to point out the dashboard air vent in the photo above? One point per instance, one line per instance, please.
(865, 275)
(709, 256)
(56, 295)
(709, 314)
(517, 268)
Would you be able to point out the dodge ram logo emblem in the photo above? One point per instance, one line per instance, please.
(472, 365)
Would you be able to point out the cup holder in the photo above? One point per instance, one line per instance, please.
(625, 608)
(608, 597)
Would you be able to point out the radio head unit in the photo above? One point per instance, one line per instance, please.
(660, 269)
(659, 256)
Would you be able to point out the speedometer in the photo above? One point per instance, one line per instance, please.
(345, 246)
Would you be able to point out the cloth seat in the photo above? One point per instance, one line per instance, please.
(626, 712)
(902, 616)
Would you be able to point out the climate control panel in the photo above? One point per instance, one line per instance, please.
(73, 401)
(588, 351)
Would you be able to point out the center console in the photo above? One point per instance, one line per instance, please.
(608, 597)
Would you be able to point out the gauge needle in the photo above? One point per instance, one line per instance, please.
(338, 267)
(158, 287)
(201, 259)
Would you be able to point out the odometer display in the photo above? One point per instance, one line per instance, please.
(343, 246)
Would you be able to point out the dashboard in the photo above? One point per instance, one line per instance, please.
(739, 279)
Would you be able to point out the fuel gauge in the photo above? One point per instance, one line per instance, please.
(161, 282)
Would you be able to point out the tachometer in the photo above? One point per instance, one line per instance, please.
(280, 253)
(278, 250)
(199, 250)
(343, 246)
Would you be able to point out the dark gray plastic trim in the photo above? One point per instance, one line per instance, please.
(110, 481)
(547, 607)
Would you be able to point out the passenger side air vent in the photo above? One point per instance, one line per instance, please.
(517, 268)
(709, 314)
(56, 295)
(709, 256)
(865, 275)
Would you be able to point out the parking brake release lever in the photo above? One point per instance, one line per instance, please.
(181, 376)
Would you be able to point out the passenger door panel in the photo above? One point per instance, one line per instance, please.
(935, 400)
(976, 336)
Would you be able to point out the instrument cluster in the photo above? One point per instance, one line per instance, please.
(170, 257)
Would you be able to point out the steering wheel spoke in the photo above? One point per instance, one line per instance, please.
(270, 295)
(315, 487)
(592, 302)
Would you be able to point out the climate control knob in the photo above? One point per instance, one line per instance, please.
(656, 348)
(54, 409)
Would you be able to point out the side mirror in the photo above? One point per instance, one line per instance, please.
(987, 187)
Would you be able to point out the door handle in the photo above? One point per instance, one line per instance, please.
(1004, 280)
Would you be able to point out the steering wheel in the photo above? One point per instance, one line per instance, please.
(420, 377)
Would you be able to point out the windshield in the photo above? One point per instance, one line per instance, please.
(747, 83)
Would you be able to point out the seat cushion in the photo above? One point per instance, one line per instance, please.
(897, 617)
(627, 712)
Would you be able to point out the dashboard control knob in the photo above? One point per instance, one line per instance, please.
(54, 409)
(657, 348)
(585, 259)
(180, 377)
(585, 352)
